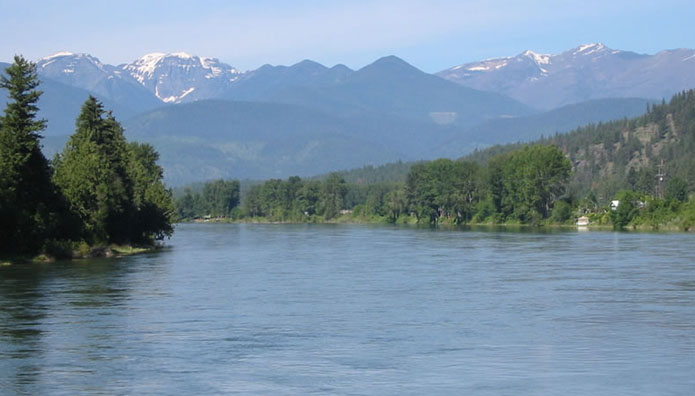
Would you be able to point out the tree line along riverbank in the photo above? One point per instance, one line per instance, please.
(523, 187)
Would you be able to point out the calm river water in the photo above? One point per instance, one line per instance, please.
(358, 310)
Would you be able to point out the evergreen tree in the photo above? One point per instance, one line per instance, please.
(420, 192)
(154, 204)
(253, 204)
(92, 173)
(186, 204)
(332, 196)
(29, 203)
(677, 190)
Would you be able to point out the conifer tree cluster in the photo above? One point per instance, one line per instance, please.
(100, 190)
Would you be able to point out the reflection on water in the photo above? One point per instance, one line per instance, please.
(299, 309)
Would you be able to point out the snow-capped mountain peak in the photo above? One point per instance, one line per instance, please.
(57, 55)
(588, 49)
(538, 62)
(89, 73)
(528, 65)
(179, 76)
(145, 66)
(66, 65)
(538, 59)
(182, 55)
(586, 72)
(68, 61)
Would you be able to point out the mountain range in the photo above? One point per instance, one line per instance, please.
(208, 120)
(590, 71)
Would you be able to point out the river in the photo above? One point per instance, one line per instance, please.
(358, 310)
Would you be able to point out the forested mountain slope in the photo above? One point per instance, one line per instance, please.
(529, 128)
(626, 154)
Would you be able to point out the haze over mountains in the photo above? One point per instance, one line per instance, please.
(591, 71)
(208, 120)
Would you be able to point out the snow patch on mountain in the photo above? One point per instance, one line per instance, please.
(144, 67)
(483, 66)
(182, 55)
(538, 59)
(541, 63)
(501, 64)
(588, 71)
(541, 59)
(180, 76)
(56, 55)
(69, 60)
(588, 49)
(177, 99)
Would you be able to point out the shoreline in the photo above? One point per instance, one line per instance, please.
(111, 251)
(660, 228)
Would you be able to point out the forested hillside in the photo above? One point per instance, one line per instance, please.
(626, 154)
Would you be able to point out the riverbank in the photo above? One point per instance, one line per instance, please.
(80, 252)
(412, 221)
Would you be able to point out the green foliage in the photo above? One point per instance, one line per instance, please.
(395, 172)
(92, 173)
(535, 177)
(154, 205)
(332, 196)
(562, 212)
(102, 191)
(30, 207)
(456, 192)
(59, 248)
(297, 200)
(396, 203)
(114, 187)
(220, 197)
(677, 190)
(613, 160)
(628, 206)
(444, 190)
(519, 186)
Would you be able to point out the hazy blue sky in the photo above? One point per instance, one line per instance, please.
(432, 34)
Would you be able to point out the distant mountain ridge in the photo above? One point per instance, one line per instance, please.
(389, 86)
(542, 81)
(87, 72)
(209, 120)
(590, 71)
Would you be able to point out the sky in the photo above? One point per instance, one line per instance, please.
(432, 35)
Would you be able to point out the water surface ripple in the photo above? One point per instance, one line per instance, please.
(358, 310)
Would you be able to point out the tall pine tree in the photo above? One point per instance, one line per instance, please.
(92, 173)
(29, 203)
